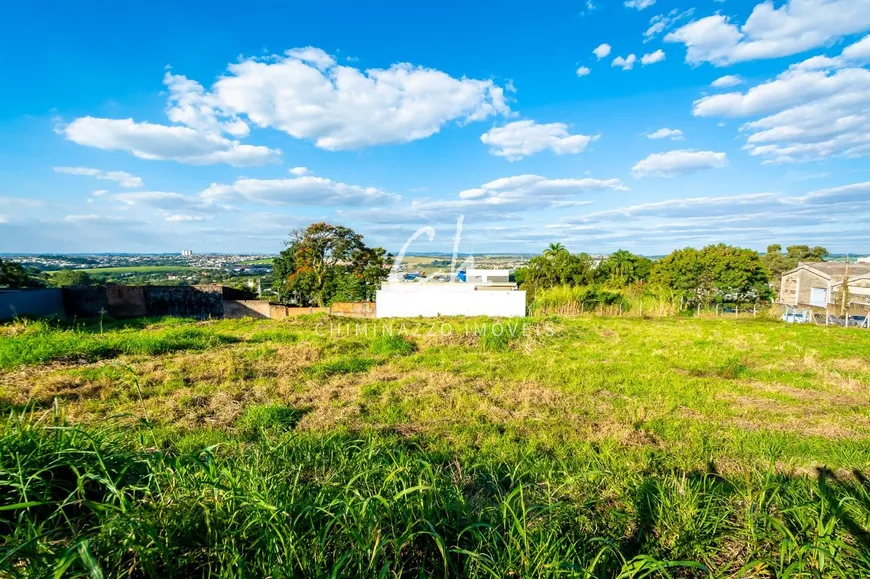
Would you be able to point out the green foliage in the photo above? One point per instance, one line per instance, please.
(716, 273)
(40, 343)
(326, 263)
(392, 345)
(778, 262)
(105, 502)
(13, 275)
(556, 266)
(269, 418)
(623, 268)
(71, 277)
(341, 366)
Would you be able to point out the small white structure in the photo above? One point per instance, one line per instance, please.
(486, 275)
(430, 299)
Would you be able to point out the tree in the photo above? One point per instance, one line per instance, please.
(71, 277)
(325, 262)
(777, 263)
(13, 275)
(622, 268)
(717, 273)
(556, 266)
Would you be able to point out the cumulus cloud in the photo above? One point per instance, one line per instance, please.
(626, 63)
(307, 190)
(602, 51)
(727, 81)
(120, 177)
(679, 162)
(523, 138)
(639, 4)
(299, 171)
(666, 133)
(652, 58)
(812, 111)
(769, 32)
(165, 143)
(307, 95)
(583, 71)
(304, 93)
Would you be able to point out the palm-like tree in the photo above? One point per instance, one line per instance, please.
(555, 249)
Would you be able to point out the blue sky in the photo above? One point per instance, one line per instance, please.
(646, 125)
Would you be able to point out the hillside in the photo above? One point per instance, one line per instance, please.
(320, 446)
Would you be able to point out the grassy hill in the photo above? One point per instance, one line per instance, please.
(602, 447)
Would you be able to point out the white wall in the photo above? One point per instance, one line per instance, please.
(431, 303)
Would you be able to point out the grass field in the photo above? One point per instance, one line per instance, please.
(135, 269)
(582, 447)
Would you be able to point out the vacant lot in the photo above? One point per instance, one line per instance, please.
(320, 446)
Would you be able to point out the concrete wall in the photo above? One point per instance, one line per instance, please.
(448, 300)
(120, 301)
(353, 309)
(30, 302)
(797, 287)
(247, 309)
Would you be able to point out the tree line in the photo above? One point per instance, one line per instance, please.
(714, 274)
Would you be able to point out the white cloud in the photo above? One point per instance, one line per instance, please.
(315, 191)
(307, 95)
(813, 111)
(299, 171)
(602, 51)
(639, 4)
(652, 58)
(185, 218)
(727, 81)
(678, 162)
(168, 201)
(769, 32)
(666, 133)
(190, 105)
(583, 71)
(120, 177)
(662, 22)
(523, 138)
(499, 199)
(165, 143)
(626, 63)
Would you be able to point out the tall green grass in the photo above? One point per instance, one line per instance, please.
(110, 502)
(577, 300)
(40, 342)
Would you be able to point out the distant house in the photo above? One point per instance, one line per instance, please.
(820, 284)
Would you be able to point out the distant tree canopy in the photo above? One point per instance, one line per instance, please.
(622, 268)
(778, 262)
(14, 275)
(324, 263)
(554, 267)
(716, 273)
(71, 277)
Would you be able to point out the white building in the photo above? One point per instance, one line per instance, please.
(186, 252)
(431, 299)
